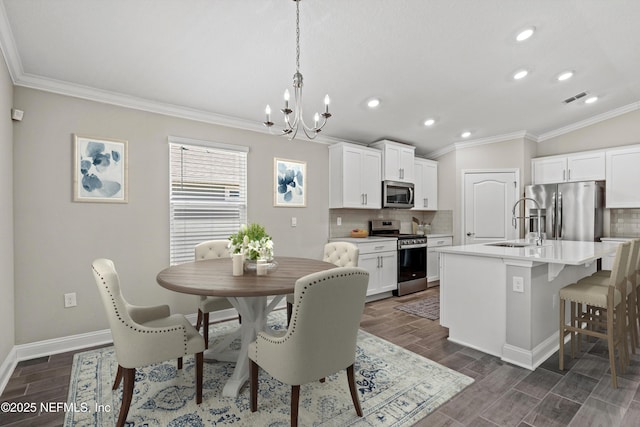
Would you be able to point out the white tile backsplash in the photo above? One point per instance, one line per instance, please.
(625, 223)
(441, 221)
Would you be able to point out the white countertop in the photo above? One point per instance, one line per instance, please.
(437, 236)
(357, 240)
(552, 251)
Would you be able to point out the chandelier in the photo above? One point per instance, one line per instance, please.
(292, 124)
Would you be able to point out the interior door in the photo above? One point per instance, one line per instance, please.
(488, 200)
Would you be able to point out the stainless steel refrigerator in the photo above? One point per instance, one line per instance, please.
(569, 211)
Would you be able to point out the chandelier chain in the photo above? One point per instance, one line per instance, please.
(297, 35)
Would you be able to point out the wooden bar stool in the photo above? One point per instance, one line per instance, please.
(602, 278)
(609, 297)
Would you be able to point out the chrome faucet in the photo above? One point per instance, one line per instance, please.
(514, 218)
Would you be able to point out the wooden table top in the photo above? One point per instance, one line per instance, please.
(213, 277)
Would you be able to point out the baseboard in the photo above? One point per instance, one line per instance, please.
(533, 358)
(77, 342)
(7, 368)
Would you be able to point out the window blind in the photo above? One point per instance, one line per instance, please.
(208, 196)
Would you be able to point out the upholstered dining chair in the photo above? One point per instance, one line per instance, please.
(209, 250)
(321, 339)
(342, 254)
(144, 335)
(611, 300)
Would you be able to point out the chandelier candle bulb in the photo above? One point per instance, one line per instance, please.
(268, 112)
(327, 101)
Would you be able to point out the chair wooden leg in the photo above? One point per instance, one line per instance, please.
(199, 369)
(354, 391)
(205, 329)
(116, 383)
(253, 384)
(179, 362)
(561, 332)
(295, 401)
(289, 312)
(574, 323)
(129, 376)
(199, 321)
(611, 344)
(322, 379)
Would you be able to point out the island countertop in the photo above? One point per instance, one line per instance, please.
(552, 251)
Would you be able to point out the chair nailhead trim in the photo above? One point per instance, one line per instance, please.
(133, 326)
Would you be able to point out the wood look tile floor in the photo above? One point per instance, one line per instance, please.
(502, 394)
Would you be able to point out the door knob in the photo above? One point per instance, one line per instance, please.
(469, 234)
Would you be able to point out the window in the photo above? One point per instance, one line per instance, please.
(208, 194)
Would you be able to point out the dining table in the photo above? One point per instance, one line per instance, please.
(248, 293)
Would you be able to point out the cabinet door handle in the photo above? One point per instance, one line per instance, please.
(366, 199)
(426, 202)
(569, 175)
(378, 248)
(564, 175)
(381, 262)
(362, 197)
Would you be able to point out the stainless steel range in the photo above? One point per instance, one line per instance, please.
(412, 255)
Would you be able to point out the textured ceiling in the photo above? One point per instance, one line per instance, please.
(224, 60)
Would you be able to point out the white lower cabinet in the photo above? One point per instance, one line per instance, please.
(380, 259)
(433, 257)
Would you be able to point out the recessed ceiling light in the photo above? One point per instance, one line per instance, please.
(373, 103)
(525, 34)
(565, 76)
(465, 134)
(591, 100)
(429, 122)
(520, 74)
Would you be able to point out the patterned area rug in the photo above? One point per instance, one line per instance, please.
(396, 388)
(428, 307)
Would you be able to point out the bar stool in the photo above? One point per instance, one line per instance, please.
(603, 297)
(602, 278)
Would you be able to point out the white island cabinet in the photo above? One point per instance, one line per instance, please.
(504, 300)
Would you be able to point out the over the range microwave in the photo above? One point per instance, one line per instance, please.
(397, 194)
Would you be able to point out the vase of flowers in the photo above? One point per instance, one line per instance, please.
(253, 241)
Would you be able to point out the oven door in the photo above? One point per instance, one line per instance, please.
(412, 263)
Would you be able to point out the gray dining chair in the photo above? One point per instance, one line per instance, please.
(342, 254)
(143, 335)
(210, 249)
(321, 339)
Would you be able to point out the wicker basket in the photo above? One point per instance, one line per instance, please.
(359, 233)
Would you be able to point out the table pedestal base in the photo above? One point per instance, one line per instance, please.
(254, 311)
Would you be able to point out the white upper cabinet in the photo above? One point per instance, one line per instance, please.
(623, 178)
(397, 160)
(588, 166)
(426, 185)
(355, 179)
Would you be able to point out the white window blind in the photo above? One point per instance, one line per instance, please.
(208, 195)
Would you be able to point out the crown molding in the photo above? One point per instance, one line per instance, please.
(523, 134)
(590, 121)
(8, 46)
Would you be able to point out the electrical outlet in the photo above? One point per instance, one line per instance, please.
(339, 221)
(518, 284)
(294, 221)
(70, 300)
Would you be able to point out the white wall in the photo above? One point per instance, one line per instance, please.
(56, 239)
(7, 338)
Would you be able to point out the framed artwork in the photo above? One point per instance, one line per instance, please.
(99, 170)
(290, 180)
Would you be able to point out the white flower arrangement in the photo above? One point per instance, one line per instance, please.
(252, 241)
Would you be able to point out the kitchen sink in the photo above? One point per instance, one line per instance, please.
(509, 245)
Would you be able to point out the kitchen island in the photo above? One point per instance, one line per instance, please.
(502, 298)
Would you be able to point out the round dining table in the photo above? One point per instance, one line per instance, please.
(248, 295)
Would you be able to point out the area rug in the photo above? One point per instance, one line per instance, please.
(396, 388)
(428, 307)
